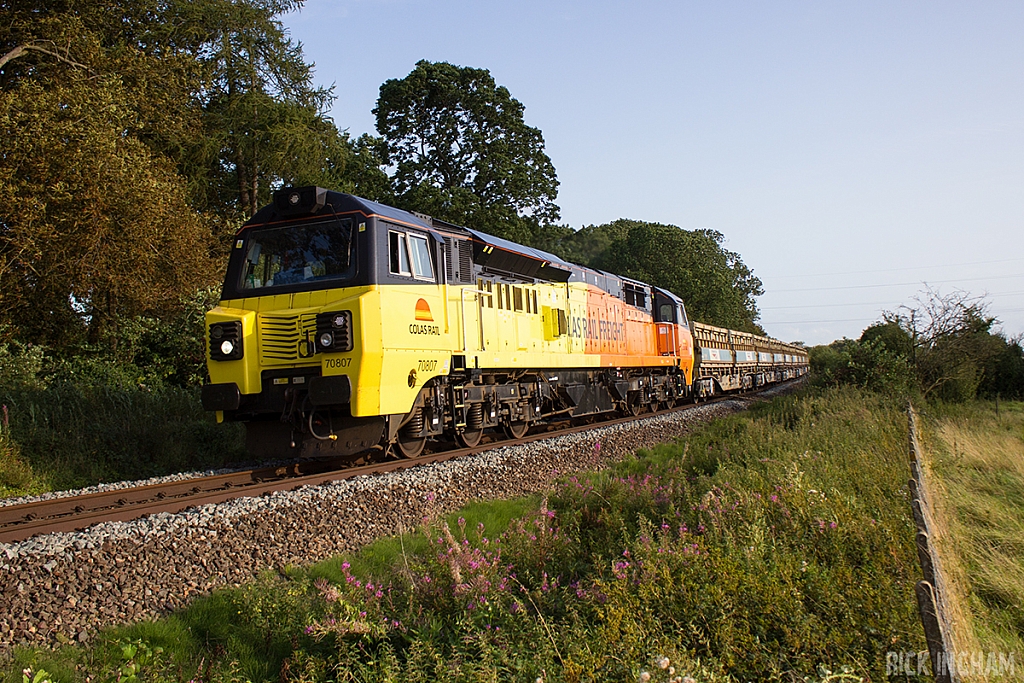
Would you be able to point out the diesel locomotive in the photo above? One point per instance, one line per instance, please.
(346, 326)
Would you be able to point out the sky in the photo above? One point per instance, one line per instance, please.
(853, 153)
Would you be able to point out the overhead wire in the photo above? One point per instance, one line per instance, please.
(900, 284)
(893, 270)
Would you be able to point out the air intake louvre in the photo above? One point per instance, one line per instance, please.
(285, 338)
(459, 261)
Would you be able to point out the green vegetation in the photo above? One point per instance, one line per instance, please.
(462, 151)
(101, 416)
(943, 349)
(977, 471)
(714, 283)
(767, 546)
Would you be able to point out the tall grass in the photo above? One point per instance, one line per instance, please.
(977, 471)
(776, 545)
(68, 435)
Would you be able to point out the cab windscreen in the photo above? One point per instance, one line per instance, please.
(314, 252)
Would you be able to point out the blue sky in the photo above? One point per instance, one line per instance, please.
(850, 152)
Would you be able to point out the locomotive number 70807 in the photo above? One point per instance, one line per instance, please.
(427, 365)
(338, 362)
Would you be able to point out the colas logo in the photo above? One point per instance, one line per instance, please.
(423, 315)
(423, 311)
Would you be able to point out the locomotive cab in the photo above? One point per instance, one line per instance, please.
(297, 346)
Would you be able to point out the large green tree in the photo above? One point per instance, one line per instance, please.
(460, 150)
(265, 121)
(95, 224)
(132, 134)
(717, 287)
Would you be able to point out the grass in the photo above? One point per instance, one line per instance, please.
(66, 436)
(775, 545)
(977, 471)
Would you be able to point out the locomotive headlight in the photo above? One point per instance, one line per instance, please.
(294, 198)
(226, 340)
(340, 320)
(326, 340)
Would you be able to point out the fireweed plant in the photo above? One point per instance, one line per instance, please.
(772, 545)
(762, 546)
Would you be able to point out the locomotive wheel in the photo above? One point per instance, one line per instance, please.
(470, 438)
(516, 430)
(411, 439)
(634, 406)
(410, 446)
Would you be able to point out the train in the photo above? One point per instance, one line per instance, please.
(348, 328)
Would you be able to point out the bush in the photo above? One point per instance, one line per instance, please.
(866, 363)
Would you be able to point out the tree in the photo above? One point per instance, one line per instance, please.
(129, 134)
(715, 284)
(94, 220)
(459, 149)
(264, 122)
(952, 342)
(94, 226)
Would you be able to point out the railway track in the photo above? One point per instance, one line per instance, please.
(22, 521)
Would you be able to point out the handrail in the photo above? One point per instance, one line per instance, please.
(480, 316)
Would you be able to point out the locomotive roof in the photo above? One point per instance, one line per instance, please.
(340, 202)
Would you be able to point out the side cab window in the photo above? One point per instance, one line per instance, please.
(409, 255)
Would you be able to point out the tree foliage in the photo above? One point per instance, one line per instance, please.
(942, 346)
(460, 150)
(133, 136)
(264, 121)
(93, 225)
(714, 283)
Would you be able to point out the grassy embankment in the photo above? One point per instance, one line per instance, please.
(771, 545)
(68, 435)
(976, 473)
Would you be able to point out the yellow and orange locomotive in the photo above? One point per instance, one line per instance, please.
(347, 326)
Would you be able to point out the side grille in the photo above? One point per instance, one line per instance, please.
(459, 260)
(286, 338)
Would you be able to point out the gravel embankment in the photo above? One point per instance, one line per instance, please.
(121, 572)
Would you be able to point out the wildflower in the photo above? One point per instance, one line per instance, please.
(539, 680)
(644, 677)
(345, 565)
(833, 525)
(671, 671)
(663, 663)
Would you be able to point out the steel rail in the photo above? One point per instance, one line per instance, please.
(72, 513)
